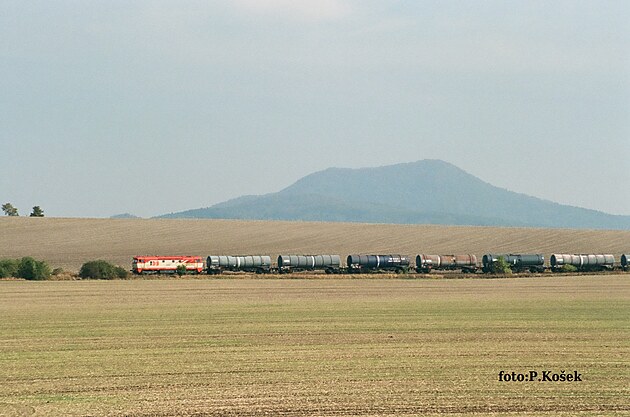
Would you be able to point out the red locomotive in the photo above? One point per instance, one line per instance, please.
(166, 264)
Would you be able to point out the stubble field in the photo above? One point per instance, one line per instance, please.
(386, 347)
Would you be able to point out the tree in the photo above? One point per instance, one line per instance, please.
(9, 210)
(37, 212)
(27, 268)
(31, 269)
(9, 267)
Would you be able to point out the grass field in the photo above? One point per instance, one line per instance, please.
(68, 243)
(385, 347)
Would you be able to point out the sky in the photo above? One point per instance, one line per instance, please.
(151, 107)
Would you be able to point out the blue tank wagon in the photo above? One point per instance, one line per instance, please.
(375, 263)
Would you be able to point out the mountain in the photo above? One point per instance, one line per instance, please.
(124, 216)
(427, 191)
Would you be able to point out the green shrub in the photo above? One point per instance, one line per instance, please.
(500, 266)
(181, 270)
(568, 268)
(100, 269)
(57, 271)
(27, 268)
(31, 269)
(9, 268)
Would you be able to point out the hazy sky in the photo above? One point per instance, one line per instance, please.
(156, 106)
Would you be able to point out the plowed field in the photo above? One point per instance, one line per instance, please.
(68, 243)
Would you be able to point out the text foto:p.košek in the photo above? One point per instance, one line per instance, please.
(542, 376)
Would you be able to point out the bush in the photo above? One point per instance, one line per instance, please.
(31, 269)
(27, 268)
(181, 270)
(568, 268)
(9, 268)
(101, 270)
(500, 266)
(57, 271)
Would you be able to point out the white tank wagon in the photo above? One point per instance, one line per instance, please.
(425, 263)
(584, 262)
(292, 263)
(215, 264)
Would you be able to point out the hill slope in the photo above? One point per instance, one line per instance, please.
(68, 243)
(423, 192)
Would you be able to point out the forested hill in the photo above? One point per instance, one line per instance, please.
(423, 192)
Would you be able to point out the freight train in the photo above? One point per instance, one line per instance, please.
(331, 264)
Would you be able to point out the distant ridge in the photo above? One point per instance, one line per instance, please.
(124, 216)
(422, 192)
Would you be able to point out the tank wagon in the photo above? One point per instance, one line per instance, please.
(425, 263)
(517, 262)
(585, 262)
(166, 264)
(294, 263)
(625, 262)
(216, 264)
(372, 263)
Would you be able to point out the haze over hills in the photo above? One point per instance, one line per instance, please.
(422, 192)
(124, 216)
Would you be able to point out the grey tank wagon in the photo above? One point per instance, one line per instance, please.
(216, 264)
(331, 264)
(583, 262)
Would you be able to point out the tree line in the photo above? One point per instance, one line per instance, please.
(33, 269)
(12, 211)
